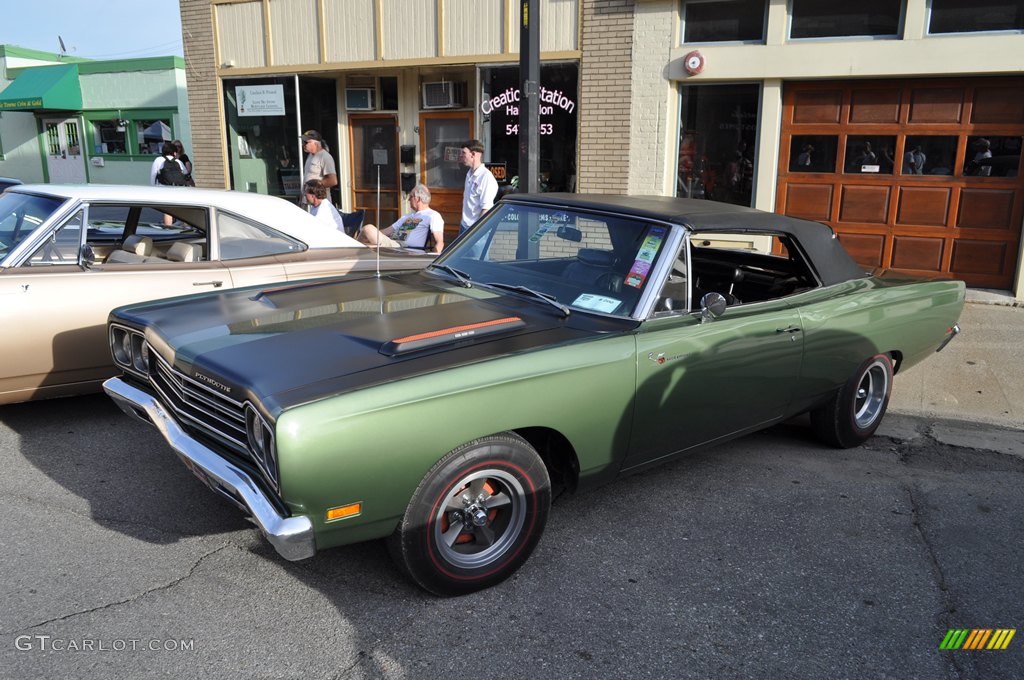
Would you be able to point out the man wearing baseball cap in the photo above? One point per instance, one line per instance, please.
(319, 164)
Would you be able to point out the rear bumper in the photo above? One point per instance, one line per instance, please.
(292, 537)
(950, 334)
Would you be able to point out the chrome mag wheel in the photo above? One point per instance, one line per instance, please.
(872, 393)
(480, 519)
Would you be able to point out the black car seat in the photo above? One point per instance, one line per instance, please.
(594, 268)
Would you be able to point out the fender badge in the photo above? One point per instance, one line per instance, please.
(660, 358)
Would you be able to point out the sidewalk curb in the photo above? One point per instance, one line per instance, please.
(988, 296)
(962, 433)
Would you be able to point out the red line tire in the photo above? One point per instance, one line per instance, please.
(475, 518)
(857, 408)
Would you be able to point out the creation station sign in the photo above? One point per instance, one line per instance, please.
(507, 104)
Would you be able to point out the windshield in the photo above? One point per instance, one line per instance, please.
(20, 215)
(584, 261)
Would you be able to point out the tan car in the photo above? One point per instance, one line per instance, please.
(70, 254)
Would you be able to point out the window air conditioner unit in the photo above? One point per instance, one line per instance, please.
(360, 98)
(444, 94)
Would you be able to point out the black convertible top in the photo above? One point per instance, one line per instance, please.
(832, 263)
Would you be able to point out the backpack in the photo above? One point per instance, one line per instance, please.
(171, 174)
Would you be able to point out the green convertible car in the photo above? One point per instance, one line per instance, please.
(564, 340)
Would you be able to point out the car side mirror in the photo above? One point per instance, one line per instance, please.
(86, 256)
(712, 306)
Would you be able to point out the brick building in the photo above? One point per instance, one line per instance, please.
(808, 107)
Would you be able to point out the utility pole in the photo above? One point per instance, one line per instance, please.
(529, 111)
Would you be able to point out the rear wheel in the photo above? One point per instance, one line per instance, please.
(475, 517)
(857, 408)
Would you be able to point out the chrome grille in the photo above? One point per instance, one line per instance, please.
(201, 406)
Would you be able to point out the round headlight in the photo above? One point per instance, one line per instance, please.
(140, 355)
(120, 346)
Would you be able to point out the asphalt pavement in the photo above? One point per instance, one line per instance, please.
(767, 557)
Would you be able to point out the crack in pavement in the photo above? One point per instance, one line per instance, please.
(129, 600)
(947, 598)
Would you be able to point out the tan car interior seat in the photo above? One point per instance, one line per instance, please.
(184, 252)
(135, 249)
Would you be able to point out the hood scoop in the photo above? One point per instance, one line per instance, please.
(449, 335)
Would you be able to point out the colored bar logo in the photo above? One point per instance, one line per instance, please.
(978, 638)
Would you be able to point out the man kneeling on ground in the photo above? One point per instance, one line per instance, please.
(412, 229)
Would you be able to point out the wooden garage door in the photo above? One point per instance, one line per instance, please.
(920, 176)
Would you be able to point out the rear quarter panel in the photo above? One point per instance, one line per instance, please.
(845, 324)
(375, 445)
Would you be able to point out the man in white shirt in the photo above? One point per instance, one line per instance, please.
(412, 229)
(323, 210)
(481, 187)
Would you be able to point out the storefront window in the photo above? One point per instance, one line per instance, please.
(152, 134)
(110, 136)
(723, 20)
(870, 154)
(813, 153)
(992, 156)
(962, 16)
(263, 136)
(928, 155)
(717, 142)
(831, 19)
(500, 106)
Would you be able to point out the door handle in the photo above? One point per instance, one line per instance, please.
(788, 329)
(215, 284)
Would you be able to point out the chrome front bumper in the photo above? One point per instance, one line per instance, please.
(292, 537)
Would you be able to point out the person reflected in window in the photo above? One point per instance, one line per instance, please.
(980, 165)
(913, 161)
(865, 155)
(806, 159)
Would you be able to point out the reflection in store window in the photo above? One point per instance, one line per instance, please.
(813, 153)
(870, 154)
(152, 134)
(992, 156)
(928, 155)
(717, 142)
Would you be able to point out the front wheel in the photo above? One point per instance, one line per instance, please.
(857, 408)
(475, 518)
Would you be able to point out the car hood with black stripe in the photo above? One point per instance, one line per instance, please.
(293, 344)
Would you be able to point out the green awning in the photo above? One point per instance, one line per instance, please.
(44, 87)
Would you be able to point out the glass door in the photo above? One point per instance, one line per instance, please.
(441, 138)
(64, 160)
(374, 147)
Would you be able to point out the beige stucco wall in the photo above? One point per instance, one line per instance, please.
(255, 36)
